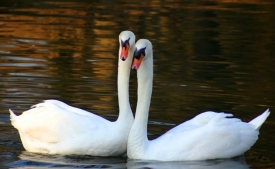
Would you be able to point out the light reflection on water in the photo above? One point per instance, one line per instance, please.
(238, 162)
(57, 161)
(30, 160)
(208, 55)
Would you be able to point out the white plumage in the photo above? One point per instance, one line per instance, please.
(209, 135)
(54, 127)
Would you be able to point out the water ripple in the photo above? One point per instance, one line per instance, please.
(18, 58)
(22, 65)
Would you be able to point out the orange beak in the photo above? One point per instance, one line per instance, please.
(137, 62)
(124, 52)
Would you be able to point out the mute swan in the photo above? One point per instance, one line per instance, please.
(53, 127)
(209, 135)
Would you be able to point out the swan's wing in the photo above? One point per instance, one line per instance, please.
(50, 123)
(217, 137)
(66, 107)
(198, 121)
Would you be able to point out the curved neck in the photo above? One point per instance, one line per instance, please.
(124, 67)
(138, 140)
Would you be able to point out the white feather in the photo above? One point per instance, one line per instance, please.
(54, 127)
(209, 135)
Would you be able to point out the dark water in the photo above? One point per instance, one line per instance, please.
(208, 55)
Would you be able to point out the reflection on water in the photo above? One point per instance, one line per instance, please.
(46, 161)
(208, 55)
(238, 163)
(29, 160)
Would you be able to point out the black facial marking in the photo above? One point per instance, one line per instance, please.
(138, 53)
(123, 43)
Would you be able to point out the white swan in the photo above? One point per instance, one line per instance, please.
(54, 127)
(209, 135)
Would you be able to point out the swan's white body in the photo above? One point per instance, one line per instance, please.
(209, 135)
(54, 127)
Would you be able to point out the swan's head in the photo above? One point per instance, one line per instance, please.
(126, 41)
(143, 52)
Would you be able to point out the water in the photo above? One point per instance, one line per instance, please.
(208, 55)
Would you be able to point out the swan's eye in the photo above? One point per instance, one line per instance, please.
(124, 43)
(139, 52)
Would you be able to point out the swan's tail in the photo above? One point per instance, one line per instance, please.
(258, 121)
(12, 115)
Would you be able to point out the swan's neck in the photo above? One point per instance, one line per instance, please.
(138, 140)
(125, 112)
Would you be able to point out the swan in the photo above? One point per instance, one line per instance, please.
(209, 135)
(53, 127)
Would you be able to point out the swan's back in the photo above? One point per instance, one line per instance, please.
(209, 135)
(59, 131)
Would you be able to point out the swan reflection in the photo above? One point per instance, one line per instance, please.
(33, 160)
(237, 163)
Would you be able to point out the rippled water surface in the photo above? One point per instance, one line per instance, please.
(208, 55)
